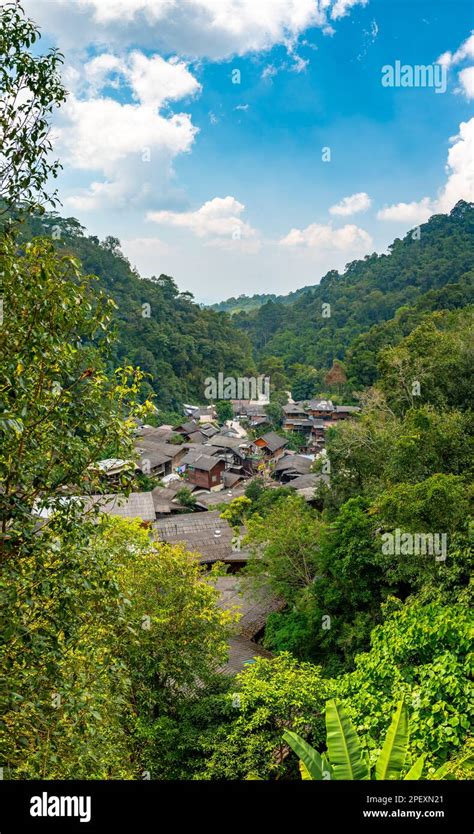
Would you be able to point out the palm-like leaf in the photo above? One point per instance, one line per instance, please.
(307, 754)
(417, 768)
(343, 744)
(327, 769)
(392, 756)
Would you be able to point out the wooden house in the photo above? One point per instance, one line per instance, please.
(205, 471)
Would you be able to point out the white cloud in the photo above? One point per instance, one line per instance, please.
(415, 212)
(460, 169)
(459, 184)
(154, 80)
(218, 219)
(131, 144)
(466, 50)
(97, 133)
(342, 7)
(199, 28)
(316, 236)
(269, 71)
(466, 80)
(466, 76)
(352, 204)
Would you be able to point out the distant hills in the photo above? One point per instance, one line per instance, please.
(246, 303)
(162, 330)
(348, 316)
(429, 269)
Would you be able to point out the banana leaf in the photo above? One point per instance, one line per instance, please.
(416, 769)
(343, 744)
(307, 754)
(392, 756)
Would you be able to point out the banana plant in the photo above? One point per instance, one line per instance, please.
(345, 759)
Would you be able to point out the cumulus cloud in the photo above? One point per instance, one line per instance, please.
(415, 212)
(323, 237)
(217, 219)
(465, 51)
(131, 144)
(459, 184)
(197, 28)
(460, 169)
(352, 204)
(466, 80)
(465, 76)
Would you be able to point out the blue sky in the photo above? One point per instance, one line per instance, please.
(223, 184)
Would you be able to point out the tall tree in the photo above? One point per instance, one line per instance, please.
(30, 90)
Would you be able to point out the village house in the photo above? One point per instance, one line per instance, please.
(342, 412)
(272, 445)
(201, 414)
(206, 534)
(112, 469)
(205, 471)
(137, 505)
(290, 466)
(321, 408)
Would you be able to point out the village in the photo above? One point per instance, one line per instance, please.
(198, 467)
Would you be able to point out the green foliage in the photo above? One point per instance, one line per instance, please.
(439, 503)
(432, 273)
(174, 340)
(275, 414)
(421, 653)
(344, 751)
(30, 90)
(93, 658)
(60, 407)
(185, 497)
(269, 696)
(304, 382)
(345, 760)
(433, 364)
(224, 410)
(235, 512)
(285, 546)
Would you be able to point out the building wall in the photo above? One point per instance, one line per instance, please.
(207, 480)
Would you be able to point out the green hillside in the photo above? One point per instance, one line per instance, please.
(174, 339)
(429, 271)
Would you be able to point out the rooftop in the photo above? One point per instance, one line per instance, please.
(204, 533)
(136, 505)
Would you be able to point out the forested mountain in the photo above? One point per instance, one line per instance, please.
(431, 268)
(173, 339)
(350, 316)
(245, 303)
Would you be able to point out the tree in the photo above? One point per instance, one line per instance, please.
(31, 89)
(274, 412)
(439, 503)
(268, 697)
(224, 410)
(433, 364)
(304, 382)
(284, 544)
(94, 658)
(419, 652)
(336, 375)
(185, 497)
(60, 409)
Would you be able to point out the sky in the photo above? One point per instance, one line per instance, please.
(249, 146)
